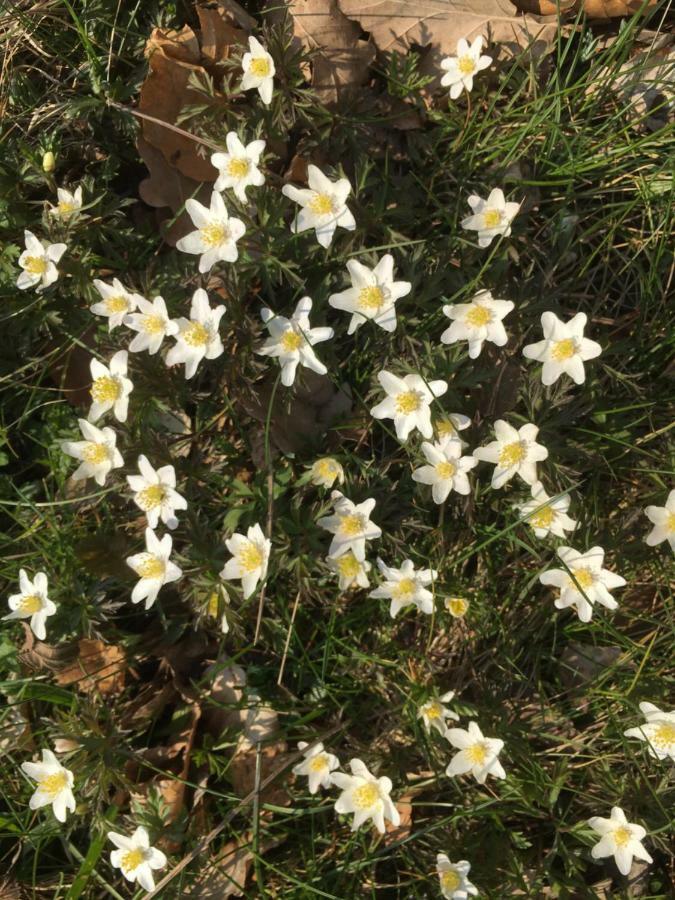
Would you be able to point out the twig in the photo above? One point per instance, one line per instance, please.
(288, 639)
(156, 121)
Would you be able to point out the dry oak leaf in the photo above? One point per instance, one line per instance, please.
(397, 25)
(403, 830)
(226, 876)
(218, 35)
(173, 58)
(340, 60)
(594, 9)
(98, 668)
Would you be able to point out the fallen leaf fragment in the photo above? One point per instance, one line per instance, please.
(340, 59)
(594, 9)
(400, 832)
(98, 668)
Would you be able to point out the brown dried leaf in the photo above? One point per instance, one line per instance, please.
(39, 655)
(165, 92)
(227, 875)
(218, 35)
(98, 668)
(341, 60)
(226, 693)
(594, 9)
(397, 25)
(148, 704)
(261, 725)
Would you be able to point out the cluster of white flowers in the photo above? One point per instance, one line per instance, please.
(408, 401)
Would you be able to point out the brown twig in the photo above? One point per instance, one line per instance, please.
(156, 121)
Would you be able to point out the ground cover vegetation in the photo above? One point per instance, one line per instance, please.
(207, 653)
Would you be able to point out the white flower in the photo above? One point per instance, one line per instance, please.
(456, 606)
(406, 586)
(447, 469)
(136, 858)
(434, 714)
(408, 403)
(323, 205)
(155, 493)
(116, 302)
(490, 217)
(455, 884)
(477, 754)
(31, 602)
(351, 572)
(449, 426)
(658, 731)
(110, 388)
(291, 340)
(564, 348)
(152, 324)
(365, 796)
(585, 583)
(154, 568)
(477, 322)
(460, 69)
(238, 168)
(38, 262)
(198, 338)
(515, 451)
(54, 785)
(619, 838)
(216, 236)
(663, 519)
(98, 452)
(547, 516)
(373, 294)
(350, 525)
(317, 766)
(68, 203)
(325, 471)
(259, 70)
(250, 555)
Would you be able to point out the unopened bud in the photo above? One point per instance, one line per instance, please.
(48, 161)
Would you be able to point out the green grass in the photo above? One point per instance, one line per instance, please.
(595, 234)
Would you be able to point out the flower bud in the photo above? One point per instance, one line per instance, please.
(48, 161)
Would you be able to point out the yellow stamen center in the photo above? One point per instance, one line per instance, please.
(563, 350)
(260, 67)
(543, 518)
(31, 604)
(511, 454)
(132, 860)
(53, 784)
(215, 233)
(153, 324)
(370, 298)
(445, 428)
(584, 577)
(445, 470)
(352, 525)
(213, 604)
(404, 589)
(466, 65)
(409, 402)
(117, 304)
(96, 453)
(433, 710)
(457, 606)
(106, 389)
(36, 265)
(238, 167)
(196, 335)
(151, 497)
(321, 204)
(478, 316)
(450, 880)
(622, 836)
(152, 567)
(348, 566)
(365, 796)
(664, 735)
(66, 208)
(327, 468)
(291, 341)
(477, 753)
(318, 763)
(670, 522)
(250, 557)
(491, 218)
